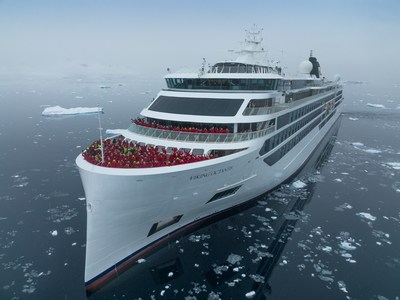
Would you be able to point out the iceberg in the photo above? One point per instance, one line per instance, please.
(60, 111)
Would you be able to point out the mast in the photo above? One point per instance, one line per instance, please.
(251, 46)
(101, 136)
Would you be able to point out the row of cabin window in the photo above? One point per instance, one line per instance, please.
(275, 140)
(327, 119)
(272, 159)
(222, 84)
(294, 115)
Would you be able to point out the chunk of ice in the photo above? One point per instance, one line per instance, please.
(375, 105)
(342, 286)
(54, 232)
(234, 259)
(394, 165)
(250, 294)
(299, 184)
(58, 110)
(326, 249)
(366, 216)
(357, 144)
(345, 245)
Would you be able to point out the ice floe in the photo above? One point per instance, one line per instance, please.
(375, 105)
(394, 165)
(353, 119)
(367, 216)
(362, 147)
(60, 111)
(343, 207)
(342, 286)
(298, 184)
(234, 259)
(250, 294)
(345, 245)
(54, 232)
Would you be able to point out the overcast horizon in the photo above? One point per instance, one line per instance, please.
(357, 39)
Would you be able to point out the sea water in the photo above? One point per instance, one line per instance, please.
(333, 232)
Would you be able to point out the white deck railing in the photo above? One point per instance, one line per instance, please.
(199, 137)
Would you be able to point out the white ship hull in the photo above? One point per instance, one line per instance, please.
(124, 205)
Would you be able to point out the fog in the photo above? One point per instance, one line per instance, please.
(357, 39)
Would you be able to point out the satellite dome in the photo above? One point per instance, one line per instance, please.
(336, 77)
(305, 67)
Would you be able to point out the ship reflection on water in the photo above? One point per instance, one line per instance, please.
(232, 257)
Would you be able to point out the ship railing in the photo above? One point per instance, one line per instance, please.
(199, 137)
(251, 111)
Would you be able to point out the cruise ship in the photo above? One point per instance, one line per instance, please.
(212, 140)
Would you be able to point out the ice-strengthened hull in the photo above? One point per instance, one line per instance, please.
(130, 211)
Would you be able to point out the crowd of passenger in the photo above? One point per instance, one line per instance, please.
(119, 153)
(144, 123)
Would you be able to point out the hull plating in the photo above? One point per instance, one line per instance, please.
(123, 208)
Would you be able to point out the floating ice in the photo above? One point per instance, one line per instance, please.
(357, 144)
(343, 207)
(366, 216)
(394, 165)
(361, 146)
(353, 119)
(250, 294)
(299, 184)
(234, 259)
(373, 151)
(345, 245)
(69, 230)
(113, 131)
(291, 216)
(219, 269)
(375, 105)
(342, 286)
(170, 274)
(326, 249)
(58, 110)
(141, 260)
(338, 180)
(54, 232)
(257, 278)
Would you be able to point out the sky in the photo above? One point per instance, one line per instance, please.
(358, 39)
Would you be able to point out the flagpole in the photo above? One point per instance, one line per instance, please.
(101, 136)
